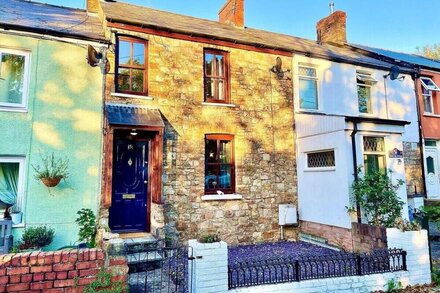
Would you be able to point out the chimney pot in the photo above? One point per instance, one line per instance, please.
(332, 29)
(232, 13)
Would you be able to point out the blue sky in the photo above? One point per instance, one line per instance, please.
(399, 25)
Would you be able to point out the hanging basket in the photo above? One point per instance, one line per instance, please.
(51, 182)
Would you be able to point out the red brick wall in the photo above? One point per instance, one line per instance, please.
(232, 13)
(332, 29)
(360, 238)
(57, 271)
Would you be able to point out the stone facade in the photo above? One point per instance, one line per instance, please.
(261, 120)
(413, 168)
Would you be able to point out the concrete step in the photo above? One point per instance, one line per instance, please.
(312, 239)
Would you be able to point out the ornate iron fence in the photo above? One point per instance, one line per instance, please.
(282, 270)
(158, 269)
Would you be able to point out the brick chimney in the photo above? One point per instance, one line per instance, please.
(332, 29)
(232, 13)
(92, 6)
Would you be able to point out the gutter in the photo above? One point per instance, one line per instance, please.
(355, 174)
(54, 33)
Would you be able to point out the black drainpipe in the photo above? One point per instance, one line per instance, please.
(353, 149)
(415, 76)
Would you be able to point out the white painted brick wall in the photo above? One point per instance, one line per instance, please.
(210, 268)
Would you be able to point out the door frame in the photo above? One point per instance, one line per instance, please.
(437, 150)
(155, 158)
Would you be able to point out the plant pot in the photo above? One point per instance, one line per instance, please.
(51, 182)
(16, 218)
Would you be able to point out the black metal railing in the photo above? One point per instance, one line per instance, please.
(281, 270)
(157, 269)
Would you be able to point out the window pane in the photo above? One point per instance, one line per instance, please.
(364, 100)
(138, 54)
(374, 163)
(321, 159)
(137, 80)
(308, 94)
(373, 144)
(8, 183)
(431, 143)
(430, 165)
(211, 151)
(209, 64)
(224, 178)
(427, 101)
(307, 71)
(12, 76)
(211, 178)
(124, 52)
(123, 79)
(221, 90)
(225, 155)
(209, 88)
(220, 65)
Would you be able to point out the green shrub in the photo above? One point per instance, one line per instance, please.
(37, 237)
(87, 226)
(210, 238)
(377, 196)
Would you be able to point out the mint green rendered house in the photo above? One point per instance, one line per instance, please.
(50, 101)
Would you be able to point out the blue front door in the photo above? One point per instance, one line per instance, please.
(128, 211)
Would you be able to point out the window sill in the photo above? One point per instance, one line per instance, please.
(13, 109)
(431, 115)
(122, 95)
(218, 105)
(323, 169)
(222, 197)
(309, 111)
(21, 225)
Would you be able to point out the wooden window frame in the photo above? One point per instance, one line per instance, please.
(144, 68)
(225, 78)
(218, 138)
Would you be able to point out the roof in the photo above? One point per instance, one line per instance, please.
(411, 59)
(49, 19)
(144, 17)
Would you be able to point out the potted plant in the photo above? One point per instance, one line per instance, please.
(15, 214)
(34, 238)
(52, 170)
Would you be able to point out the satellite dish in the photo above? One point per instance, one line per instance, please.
(394, 72)
(278, 68)
(93, 57)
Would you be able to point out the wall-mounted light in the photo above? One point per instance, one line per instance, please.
(133, 132)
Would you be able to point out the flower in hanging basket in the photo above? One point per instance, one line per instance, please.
(52, 170)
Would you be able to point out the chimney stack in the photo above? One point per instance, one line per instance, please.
(332, 29)
(232, 13)
(92, 6)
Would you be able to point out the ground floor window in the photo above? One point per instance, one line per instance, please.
(321, 159)
(374, 154)
(11, 182)
(219, 163)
